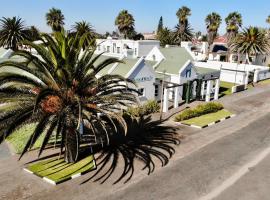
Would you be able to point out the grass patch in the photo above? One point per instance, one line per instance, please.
(20, 136)
(208, 118)
(264, 82)
(59, 171)
(225, 88)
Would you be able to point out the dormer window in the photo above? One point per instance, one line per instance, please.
(154, 57)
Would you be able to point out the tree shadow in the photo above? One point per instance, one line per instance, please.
(146, 141)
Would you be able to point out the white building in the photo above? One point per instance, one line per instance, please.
(128, 48)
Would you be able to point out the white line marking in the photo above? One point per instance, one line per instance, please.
(236, 176)
(28, 171)
(211, 124)
(76, 175)
(49, 180)
(194, 126)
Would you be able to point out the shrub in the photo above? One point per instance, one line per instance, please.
(148, 108)
(202, 109)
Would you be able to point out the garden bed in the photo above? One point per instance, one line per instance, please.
(55, 171)
(208, 119)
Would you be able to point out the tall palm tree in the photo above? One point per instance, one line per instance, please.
(251, 41)
(86, 29)
(212, 21)
(183, 27)
(58, 90)
(12, 32)
(180, 35)
(125, 23)
(183, 14)
(55, 19)
(233, 22)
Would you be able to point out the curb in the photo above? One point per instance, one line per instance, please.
(52, 182)
(211, 124)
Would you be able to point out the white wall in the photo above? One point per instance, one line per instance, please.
(144, 77)
(136, 48)
(154, 53)
(231, 72)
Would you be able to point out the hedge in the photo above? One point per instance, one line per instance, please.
(202, 109)
(148, 108)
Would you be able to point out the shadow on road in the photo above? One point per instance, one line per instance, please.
(144, 141)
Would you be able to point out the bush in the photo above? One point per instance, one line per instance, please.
(202, 109)
(148, 108)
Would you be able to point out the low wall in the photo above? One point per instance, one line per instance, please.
(236, 73)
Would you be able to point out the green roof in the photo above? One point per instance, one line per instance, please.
(175, 58)
(123, 68)
(203, 71)
(150, 63)
(161, 76)
(2, 51)
(107, 68)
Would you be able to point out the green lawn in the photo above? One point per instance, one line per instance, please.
(225, 88)
(58, 170)
(20, 137)
(264, 82)
(208, 118)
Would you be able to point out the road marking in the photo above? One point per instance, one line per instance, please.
(235, 177)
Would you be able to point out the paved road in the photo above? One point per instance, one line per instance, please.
(203, 163)
(201, 172)
(4, 151)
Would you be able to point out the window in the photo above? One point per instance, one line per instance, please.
(118, 49)
(135, 51)
(188, 73)
(114, 47)
(141, 92)
(98, 47)
(108, 49)
(154, 57)
(156, 90)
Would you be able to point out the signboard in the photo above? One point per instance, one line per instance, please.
(143, 79)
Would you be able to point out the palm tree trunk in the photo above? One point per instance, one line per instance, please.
(71, 146)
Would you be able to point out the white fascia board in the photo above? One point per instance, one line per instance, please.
(115, 65)
(184, 67)
(134, 67)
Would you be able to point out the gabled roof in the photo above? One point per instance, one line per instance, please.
(175, 59)
(124, 68)
(107, 68)
(221, 39)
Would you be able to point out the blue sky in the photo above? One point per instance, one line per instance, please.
(101, 13)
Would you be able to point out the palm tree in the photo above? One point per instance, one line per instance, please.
(125, 23)
(180, 35)
(33, 34)
(58, 90)
(86, 29)
(233, 22)
(12, 32)
(183, 27)
(251, 41)
(55, 19)
(183, 14)
(165, 36)
(212, 21)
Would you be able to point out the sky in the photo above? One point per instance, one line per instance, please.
(101, 13)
